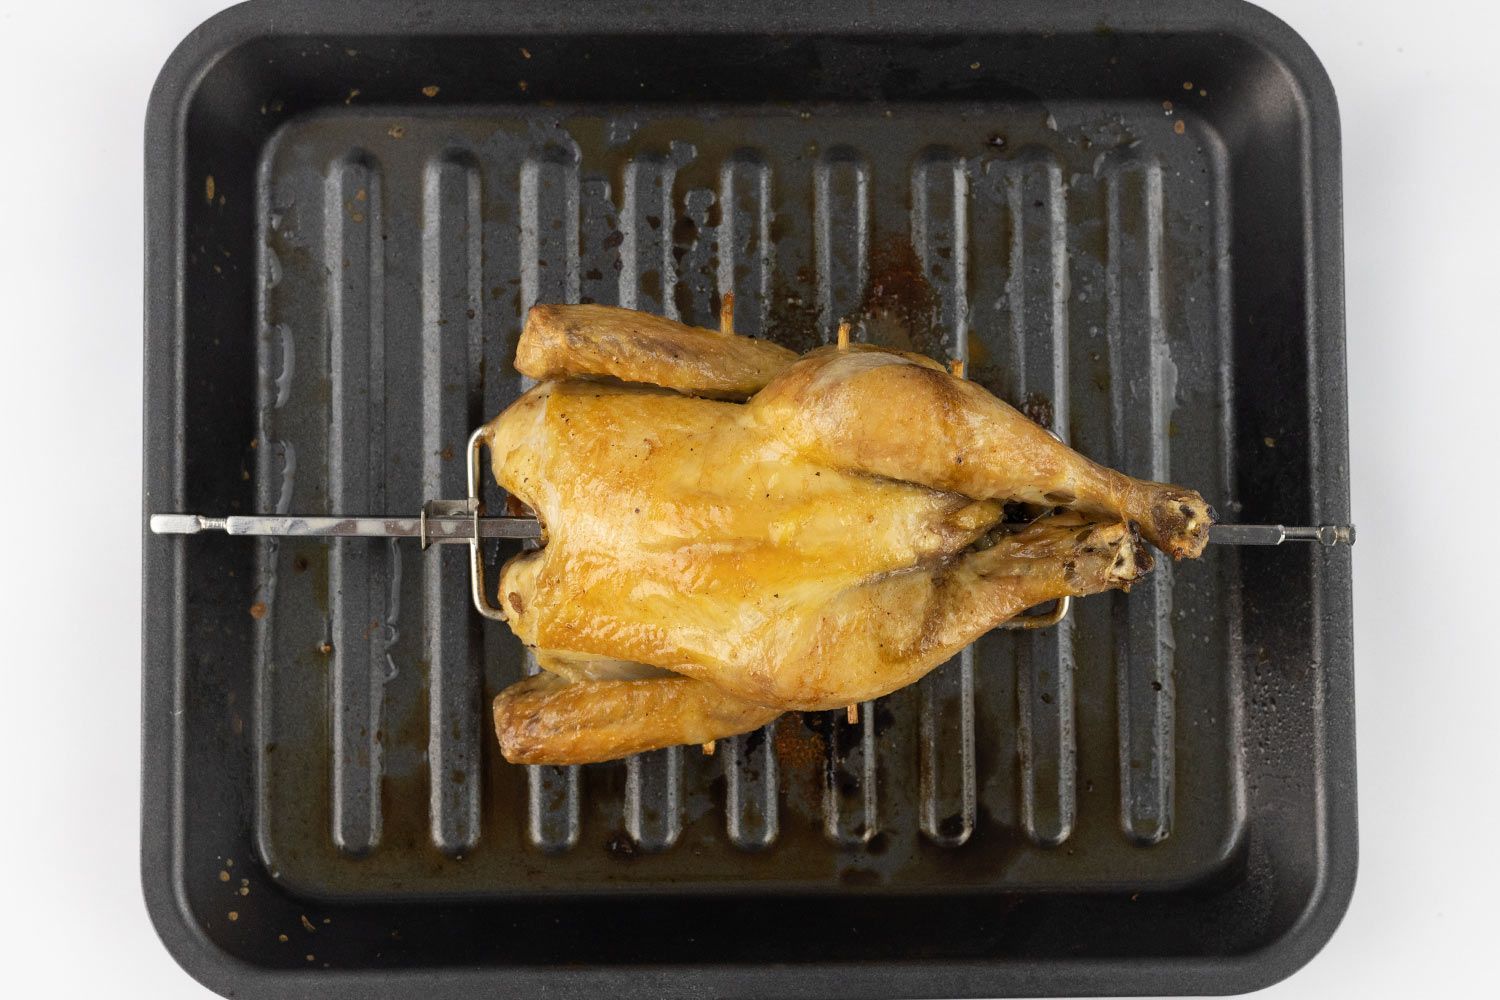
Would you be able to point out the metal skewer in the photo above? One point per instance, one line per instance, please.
(451, 529)
(462, 522)
(439, 530)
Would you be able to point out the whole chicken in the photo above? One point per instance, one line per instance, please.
(731, 531)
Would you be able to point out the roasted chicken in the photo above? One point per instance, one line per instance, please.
(732, 531)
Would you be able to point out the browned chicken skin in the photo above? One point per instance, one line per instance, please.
(563, 341)
(710, 564)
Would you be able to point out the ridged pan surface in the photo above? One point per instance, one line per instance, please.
(1069, 256)
(1124, 220)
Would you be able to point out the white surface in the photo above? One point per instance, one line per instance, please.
(1416, 87)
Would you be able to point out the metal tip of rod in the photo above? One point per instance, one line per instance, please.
(184, 524)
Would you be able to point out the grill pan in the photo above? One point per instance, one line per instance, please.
(1124, 218)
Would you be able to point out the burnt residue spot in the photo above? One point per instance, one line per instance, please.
(651, 284)
(859, 876)
(300, 564)
(899, 307)
(1038, 409)
(800, 747)
(793, 318)
(822, 723)
(951, 827)
(880, 843)
(754, 740)
(718, 792)
(612, 240)
(685, 230)
(682, 298)
(620, 846)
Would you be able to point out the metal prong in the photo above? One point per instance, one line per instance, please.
(477, 588)
(1059, 611)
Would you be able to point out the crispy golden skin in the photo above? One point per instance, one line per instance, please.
(546, 719)
(834, 645)
(902, 416)
(829, 541)
(591, 341)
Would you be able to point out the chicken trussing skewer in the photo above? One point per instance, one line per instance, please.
(732, 532)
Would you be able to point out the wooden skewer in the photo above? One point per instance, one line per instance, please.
(843, 334)
(851, 713)
(726, 319)
(708, 748)
(956, 366)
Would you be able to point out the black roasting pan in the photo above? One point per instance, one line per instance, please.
(1124, 216)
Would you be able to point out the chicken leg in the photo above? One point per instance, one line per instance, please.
(904, 416)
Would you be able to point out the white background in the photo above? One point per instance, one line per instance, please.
(1417, 87)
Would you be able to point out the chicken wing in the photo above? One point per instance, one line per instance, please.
(548, 719)
(605, 341)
